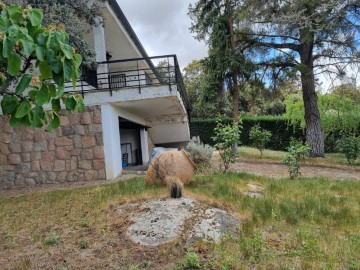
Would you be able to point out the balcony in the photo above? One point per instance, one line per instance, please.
(138, 74)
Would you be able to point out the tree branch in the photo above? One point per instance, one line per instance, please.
(9, 81)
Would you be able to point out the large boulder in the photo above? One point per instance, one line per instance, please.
(173, 163)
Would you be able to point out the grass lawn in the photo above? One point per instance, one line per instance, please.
(297, 224)
(330, 158)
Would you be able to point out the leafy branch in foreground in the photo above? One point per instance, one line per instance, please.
(35, 63)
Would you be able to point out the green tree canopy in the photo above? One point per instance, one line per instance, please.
(75, 15)
(36, 62)
(309, 36)
(337, 113)
(214, 21)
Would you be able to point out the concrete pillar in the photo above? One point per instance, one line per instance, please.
(100, 50)
(144, 145)
(111, 138)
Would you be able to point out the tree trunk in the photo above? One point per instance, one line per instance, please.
(234, 71)
(314, 133)
(220, 97)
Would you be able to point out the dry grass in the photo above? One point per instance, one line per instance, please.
(310, 223)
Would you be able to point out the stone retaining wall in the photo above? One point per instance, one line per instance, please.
(74, 152)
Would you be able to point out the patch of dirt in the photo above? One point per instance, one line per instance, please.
(276, 169)
(271, 168)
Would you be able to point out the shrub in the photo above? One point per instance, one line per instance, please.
(191, 261)
(259, 137)
(52, 240)
(350, 146)
(200, 153)
(227, 137)
(296, 152)
(279, 127)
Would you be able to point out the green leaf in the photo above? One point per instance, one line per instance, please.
(27, 119)
(56, 105)
(33, 30)
(40, 53)
(15, 13)
(78, 60)
(13, 31)
(50, 55)
(74, 78)
(24, 109)
(80, 106)
(14, 63)
(36, 17)
(14, 122)
(60, 36)
(48, 41)
(23, 84)
(57, 66)
(7, 47)
(9, 104)
(60, 92)
(67, 50)
(70, 103)
(55, 122)
(41, 39)
(52, 90)
(54, 44)
(27, 47)
(32, 95)
(68, 69)
(39, 117)
(59, 80)
(4, 23)
(45, 70)
(42, 96)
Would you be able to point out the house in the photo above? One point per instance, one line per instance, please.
(131, 106)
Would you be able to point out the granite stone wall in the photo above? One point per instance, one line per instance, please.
(73, 152)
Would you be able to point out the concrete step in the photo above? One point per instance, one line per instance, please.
(127, 172)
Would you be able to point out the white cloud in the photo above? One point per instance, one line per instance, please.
(162, 26)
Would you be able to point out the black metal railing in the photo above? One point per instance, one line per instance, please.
(139, 73)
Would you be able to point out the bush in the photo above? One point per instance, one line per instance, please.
(52, 240)
(201, 154)
(350, 146)
(278, 126)
(259, 137)
(227, 137)
(191, 261)
(296, 152)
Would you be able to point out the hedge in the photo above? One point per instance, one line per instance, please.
(278, 126)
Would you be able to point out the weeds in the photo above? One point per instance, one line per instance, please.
(83, 245)
(191, 261)
(252, 247)
(52, 240)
